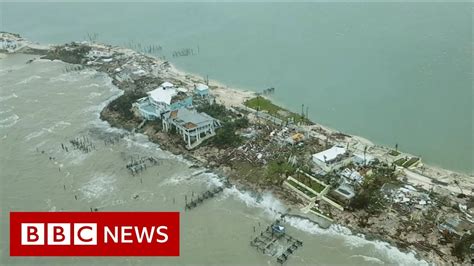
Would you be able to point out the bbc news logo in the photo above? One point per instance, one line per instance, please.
(94, 234)
(58, 234)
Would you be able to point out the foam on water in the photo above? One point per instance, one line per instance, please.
(175, 179)
(27, 80)
(267, 202)
(76, 157)
(8, 97)
(93, 95)
(98, 186)
(57, 126)
(274, 208)
(368, 259)
(391, 253)
(9, 121)
(95, 85)
(6, 110)
(73, 76)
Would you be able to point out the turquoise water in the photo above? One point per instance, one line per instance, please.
(391, 72)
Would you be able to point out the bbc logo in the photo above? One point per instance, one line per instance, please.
(94, 233)
(58, 234)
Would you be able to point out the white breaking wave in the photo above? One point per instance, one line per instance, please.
(274, 208)
(368, 259)
(6, 111)
(93, 95)
(267, 202)
(351, 240)
(77, 157)
(27, 80)
(99, 186)
(8, 97)
(58, 125)
(175, 180)
(73, 76)
(9, 121)
(34, 134)
(90, 86)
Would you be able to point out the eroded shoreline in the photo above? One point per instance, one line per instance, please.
(215, 158)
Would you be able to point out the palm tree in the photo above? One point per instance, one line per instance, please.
(365, 152)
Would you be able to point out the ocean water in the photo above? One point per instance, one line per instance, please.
(43, 107)
(395, 73)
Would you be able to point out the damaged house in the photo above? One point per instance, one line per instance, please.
(193, 126)
(161, 100)
(174, 107)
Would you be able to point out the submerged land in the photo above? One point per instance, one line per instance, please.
(324, 174)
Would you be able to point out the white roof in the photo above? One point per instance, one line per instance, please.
(329, 154)
(201, 87)
(162, 94)
(351, 174)
(167, 84)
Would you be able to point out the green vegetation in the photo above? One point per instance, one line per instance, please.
(411, 162)
(261, 104)
(123, 104)
(315, 185)
(74, 54)
(241, 122)
(335, 199)
(400, 161)
(226, 137)
(216, 110)
(278, 168)
(301, 188)
(405, 162)
(370, 197)
(462, 248)
(394, 153)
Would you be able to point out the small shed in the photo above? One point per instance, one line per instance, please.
(201, 90)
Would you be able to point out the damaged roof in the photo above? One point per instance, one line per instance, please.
(189, 118)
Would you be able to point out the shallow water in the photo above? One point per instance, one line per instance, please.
(391, 72)
(43, 107)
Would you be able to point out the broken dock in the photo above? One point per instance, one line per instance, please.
(273, 236)
(201, 198)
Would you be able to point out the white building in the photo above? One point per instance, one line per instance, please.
(331, 159)
(163, 99)
(352, 176)
(202, 90)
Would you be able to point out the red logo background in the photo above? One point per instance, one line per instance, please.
(110, 219)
